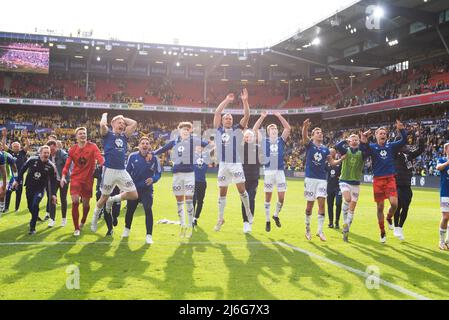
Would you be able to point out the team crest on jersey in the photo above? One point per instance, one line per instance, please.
(318, 157)
(37, 175)
(274, 148)
(200, 162)
(181, 149)
(332, 172)
(383, 154)
(119, 143)
(225, 137)
(82, 161)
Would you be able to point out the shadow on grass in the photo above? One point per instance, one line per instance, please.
(303, 266)
(415, 274)
(179, 281)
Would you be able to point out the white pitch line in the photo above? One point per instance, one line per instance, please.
(357, 271)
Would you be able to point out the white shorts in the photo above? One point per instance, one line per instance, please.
(444, 204)
(314, 188)
(114, 177)
(354, 190)
(184, 183)
(230, 173)
(274, 178)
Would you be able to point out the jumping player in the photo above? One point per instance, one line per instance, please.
(228, 138)
(115, 144)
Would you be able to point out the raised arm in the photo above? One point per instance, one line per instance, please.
(245, 119)
(421, 146)
(131, 126)
(217, 115)
(258, 123)
(165, 148)
(285, 124)
(305, 131)
(104, 124)
(4, 134)
(401, 128)
(340, 147)
(26, 145)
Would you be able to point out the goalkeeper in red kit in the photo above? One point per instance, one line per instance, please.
(84, 156)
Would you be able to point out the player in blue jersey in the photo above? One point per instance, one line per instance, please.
(382, 155)
(115, 144)
(274, 147)
(183, 172)
(20, 154)
(315, 182)
(443, 167)
(229, 139)
(145, 171)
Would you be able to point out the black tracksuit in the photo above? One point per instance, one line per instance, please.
(404, 166)
(251, 169)
(333, 192)
(41, 175)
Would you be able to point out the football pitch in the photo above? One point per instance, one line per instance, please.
(228, 264)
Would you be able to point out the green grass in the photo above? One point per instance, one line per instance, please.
(225, 264)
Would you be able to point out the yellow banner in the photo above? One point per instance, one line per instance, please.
(65, 131)
(136, 105)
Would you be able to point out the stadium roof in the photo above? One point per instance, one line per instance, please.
(330, 42)
(345, 39)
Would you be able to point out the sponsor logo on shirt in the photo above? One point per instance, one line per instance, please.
(225, 138)
(317, 157)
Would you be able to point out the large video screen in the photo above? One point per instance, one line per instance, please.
(24, 57)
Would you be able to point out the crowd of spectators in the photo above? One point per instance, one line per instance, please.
(433, 127)
(400, 84)
(166, 91)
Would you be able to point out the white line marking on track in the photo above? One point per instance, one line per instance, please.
(356, 271)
